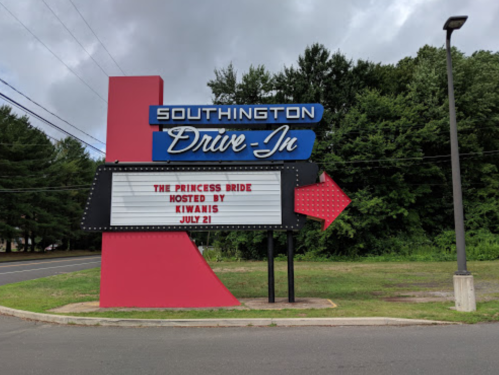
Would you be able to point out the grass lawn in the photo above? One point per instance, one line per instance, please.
(9, 257)
(359, 290)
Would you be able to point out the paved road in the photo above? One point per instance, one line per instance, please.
(39, 348)
(13, 272)
(36, 348)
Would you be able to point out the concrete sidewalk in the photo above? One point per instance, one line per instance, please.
(246, 304)
(285, 322)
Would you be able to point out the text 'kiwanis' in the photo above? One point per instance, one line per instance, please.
(199, 198)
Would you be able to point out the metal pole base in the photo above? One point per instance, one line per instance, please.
(291, 269)
(464, 293)
(270, 254)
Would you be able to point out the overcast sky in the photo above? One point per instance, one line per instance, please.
(183, 41)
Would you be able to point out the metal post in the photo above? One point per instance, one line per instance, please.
(456, 171)
(270, 257)
(291, 271)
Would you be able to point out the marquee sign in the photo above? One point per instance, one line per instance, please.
(159, 197)
(180, 177)
(232, 179)
(234, 116)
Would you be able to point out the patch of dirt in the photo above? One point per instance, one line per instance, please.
(282, 303)
(484, 292)
(228, 270)
(414, 299)
(434, 284)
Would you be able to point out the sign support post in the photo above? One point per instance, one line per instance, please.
(291, 270)
(270, 256)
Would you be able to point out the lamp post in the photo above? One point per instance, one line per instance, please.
(463, 280)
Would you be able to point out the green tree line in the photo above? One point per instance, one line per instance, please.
(43, 187)
(384, 138)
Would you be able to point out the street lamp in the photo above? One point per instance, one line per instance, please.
(464, 291)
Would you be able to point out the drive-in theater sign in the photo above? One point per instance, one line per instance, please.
(172, 169)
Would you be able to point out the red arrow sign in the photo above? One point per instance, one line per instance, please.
(323, 201)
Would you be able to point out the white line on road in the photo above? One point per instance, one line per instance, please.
(46, 268)
(34, 261)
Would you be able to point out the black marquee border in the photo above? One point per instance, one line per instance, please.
(97, 215)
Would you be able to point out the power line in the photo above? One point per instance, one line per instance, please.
(367, 132)
(49, 136)
(77, 41)
(53, 54)
(52, 113)
(41, 190)
(102, 44)
(43, 175)
(24, 144)
(18, 105)
(46, 188)
(411, 158)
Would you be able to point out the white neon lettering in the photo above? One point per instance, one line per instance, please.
(309, 114)
(261, 114)
(243, 112)
(221, 142)
(191, 117)
(222, 113)
(205, 143)
(276, 110)
(180, 135)
(262, 154)
(289, 144)
(223, 146)
(290, 116)
(207, 111)
(238, 141)
(213, 147)
(163, 114)
(178, 110)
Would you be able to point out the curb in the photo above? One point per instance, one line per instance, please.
(284, 322)
(50, 258)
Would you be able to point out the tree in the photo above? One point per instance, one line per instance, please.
(76, 170)
(26, 155)
(384, 138)
(43, 186)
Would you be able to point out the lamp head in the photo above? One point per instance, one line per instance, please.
(455, 23)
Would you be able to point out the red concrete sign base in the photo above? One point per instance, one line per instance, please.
(158, 270)
(153, 269)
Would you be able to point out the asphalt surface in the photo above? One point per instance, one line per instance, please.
(13, 272)
(40, 348)
(36, 348)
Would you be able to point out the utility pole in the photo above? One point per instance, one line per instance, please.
(464, 291)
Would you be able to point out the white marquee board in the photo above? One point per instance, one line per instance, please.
(200, 198)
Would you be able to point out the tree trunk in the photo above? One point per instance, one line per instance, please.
(8, 247)
(26, 239)
(32, 241)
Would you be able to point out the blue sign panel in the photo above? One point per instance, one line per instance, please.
(186, 143)
(235, 115)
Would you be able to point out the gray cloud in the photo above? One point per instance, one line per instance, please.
(185, 40)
